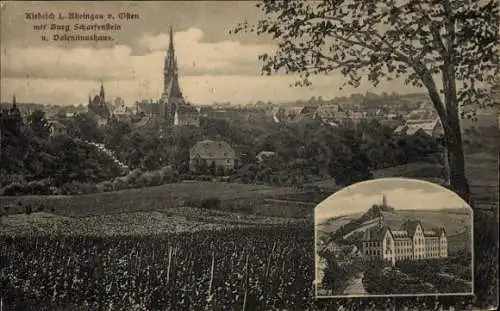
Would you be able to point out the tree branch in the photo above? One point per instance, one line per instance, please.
(438, 42)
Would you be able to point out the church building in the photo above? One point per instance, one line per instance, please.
(171, 108)
(98, 108)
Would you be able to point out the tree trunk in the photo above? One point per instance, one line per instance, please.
(456, 161)
(454, 145)
(452, 132)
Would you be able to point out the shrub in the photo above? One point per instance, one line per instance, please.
(106, 186)
(204, 178)
(13, 189)
(220, 171)
(7, 179)
(210, 203)
(39, 187)
(70, 188)
(120, 183)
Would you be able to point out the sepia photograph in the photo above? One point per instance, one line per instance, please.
(393, 236)
(214, 155)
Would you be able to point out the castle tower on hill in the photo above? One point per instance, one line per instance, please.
(381, 215)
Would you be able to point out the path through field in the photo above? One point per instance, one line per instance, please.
(355, 286)
(101, 148)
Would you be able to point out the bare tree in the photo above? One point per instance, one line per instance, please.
(448, 47)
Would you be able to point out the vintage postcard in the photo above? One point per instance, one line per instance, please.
(240, 155)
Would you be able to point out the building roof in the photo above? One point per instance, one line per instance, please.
(411, 127)
(375, 233)
(410, 226)
(209, 149)
(430, 233)
(400, 234)
(422, 114)
(401, 129)
(407, 231)
(265, 154)
(439, 231)
(122, 110)
(187, 109)
(327, 111)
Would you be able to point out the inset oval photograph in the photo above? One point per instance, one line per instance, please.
(393, 237)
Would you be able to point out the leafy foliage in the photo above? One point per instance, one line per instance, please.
(384, 40)
(39, 124)
(32, 161)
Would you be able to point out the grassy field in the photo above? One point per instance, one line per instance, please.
(481, 171)
(233, 197)
(148, 211)
(172, 220)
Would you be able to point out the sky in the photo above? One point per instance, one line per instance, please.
(401, 193)
(214, 65)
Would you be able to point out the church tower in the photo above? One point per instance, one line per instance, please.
(172, 94)
(101, 94)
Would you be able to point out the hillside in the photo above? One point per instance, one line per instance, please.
(454, 221)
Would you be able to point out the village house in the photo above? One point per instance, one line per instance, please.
(209, 153)
(123, 114)
(293, 114)
(187, 115)
(327, 113)
(265, 155)
(57, 128)
(421, 121)
(432, 128)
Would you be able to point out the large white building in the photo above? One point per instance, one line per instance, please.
(410, 242)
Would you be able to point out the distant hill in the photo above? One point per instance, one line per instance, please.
(455, 221)
(354, 222)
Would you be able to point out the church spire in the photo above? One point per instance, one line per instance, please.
(172, 94)
(171, 42)
(170, 70)
(101, 93)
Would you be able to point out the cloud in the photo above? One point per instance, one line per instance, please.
(194, 56)
(209, 71)
(355, 199)
(77, 63)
